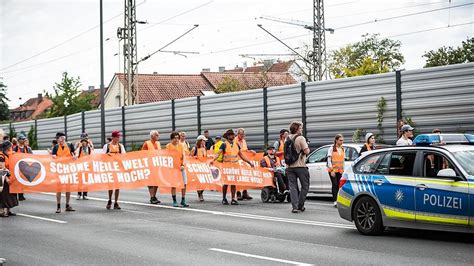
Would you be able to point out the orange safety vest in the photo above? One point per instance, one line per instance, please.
(242, 143)
(63, 151)
(153, 146)
(338, 161)
(7, 159)
(201, 153)
(81, 151)
(185, 147)
(269, 163)
(178, 148)
(114, 149)
(368, 147)
(25, 149)
(231, 154)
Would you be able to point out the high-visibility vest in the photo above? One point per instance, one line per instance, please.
(337, 160)
(269, 163)
(231, 154)
(18, 149)
(151, 146)
(82, 151)
(242, 143)
(7, 159)
(217, 148)
(114, 149)
(178, 148)
(201, 152)
(185, 147)
(63, 151)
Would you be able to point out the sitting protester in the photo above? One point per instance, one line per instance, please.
(7, 199)
(272, 161)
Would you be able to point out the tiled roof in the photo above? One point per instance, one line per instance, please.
(162, 87)
(34, 105)
(96, 93)
(251, 80)
(281, 67)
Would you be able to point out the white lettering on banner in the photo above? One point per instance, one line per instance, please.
(69, 168)
(205, 178)
(103, 178)
(135, 163)
(198, 168)
(69, 179)
(442, 201)
(231, 171)
(159, 161)
(133, 176)
(99, 166)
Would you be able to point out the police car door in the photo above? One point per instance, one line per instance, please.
(440, 198)
(395, 185)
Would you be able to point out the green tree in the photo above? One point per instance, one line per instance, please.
(4, 111)
(32, 138)
(229, 84)
(450, 55)
(11, 132)
(371, 55)
(67, 98)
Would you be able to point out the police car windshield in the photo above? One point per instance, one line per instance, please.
(466, 159)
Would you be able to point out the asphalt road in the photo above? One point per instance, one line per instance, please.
(208, 233)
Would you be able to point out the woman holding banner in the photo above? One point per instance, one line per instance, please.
(153, 145)
(200, 152)
(114, 148)
(7, 199)
(179, 147)
(63, 150)
(84, 148)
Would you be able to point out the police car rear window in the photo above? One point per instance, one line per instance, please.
(466, 160)
(369, 164)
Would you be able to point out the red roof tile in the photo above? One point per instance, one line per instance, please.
(251, 80)
(96, 92)
(34, 105)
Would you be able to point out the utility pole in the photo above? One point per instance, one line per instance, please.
(319, 42)
(102, 90)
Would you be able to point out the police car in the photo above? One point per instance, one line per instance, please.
(426, 186)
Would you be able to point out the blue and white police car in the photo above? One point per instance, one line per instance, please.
(426, 186)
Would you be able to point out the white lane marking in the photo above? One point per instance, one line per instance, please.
(42, 218)
(236, 214)
(259, 257)
(307, 202)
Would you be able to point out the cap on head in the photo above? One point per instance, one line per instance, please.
(116, 134)
(368, 136)
(406, 128)
(21, 137)
(60, 134)
(270, 148)
(201, 137)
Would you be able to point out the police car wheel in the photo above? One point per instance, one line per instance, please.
(367, 217)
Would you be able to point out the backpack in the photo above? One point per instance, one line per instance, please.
(291, 155)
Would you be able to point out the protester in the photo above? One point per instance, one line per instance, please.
(153, 145)
(7, 199)
(369, 143)
(335, 163)
(6, 138)
(200, 152)
(184, 142)
(54, 142)
(14, 143)
(297, 170)
(280, 144)
(229, 152)
(114, 148)
(84, 148)
(406, 135)
(217, 145)
(63, 150)
(176, 145)
(22, 147)
(209, 141)
(436, 131)
(240, 139)
(27, 142)
(272, 161)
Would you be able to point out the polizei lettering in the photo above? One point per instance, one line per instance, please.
(442, 201)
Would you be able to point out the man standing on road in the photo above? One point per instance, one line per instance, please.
(114, 148)
(297, 169)
(153, 145)
(22, 148)
(240, 140)
(176, 145)
(407, 134)
(280, 144)
(209, 141)
(63, 150)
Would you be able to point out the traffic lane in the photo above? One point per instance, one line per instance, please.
(133, 238)
(389, 244)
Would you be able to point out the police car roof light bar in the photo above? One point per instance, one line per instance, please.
(440, 139)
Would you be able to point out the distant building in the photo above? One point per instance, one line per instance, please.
(31, 109)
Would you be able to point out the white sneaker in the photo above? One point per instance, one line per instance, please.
(335, 204)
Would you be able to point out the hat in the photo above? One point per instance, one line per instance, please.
(84, 135)
(201, 137)
(116, 134)
(270, 147)
(283, 131)
(368, 136)
(228, 132)
(21, 137)
(406, 128)
(60, 134)
(218, 137)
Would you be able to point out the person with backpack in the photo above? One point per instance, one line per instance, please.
(296, 150)
(63, 150)
(153, 145)
(335, 164)
(84, 148)
(200, 152)
(114, 148)
(22, 147)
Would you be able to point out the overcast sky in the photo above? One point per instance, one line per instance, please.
(227, 29)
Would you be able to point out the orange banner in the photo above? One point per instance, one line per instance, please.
(99, 172)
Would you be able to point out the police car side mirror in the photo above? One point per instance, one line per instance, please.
(447, 173)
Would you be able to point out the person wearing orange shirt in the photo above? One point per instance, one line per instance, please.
(335, 165)
(63, 150)
(184, 142)
(114, 148)
(280, 144)
(200, 152)
(240, 139)
(153, 145)
(179, 147)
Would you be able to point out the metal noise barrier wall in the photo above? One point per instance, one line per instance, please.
(439, 97)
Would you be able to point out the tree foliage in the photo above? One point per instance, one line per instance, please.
(67, 98)
(32, 138)
(4, 111)
(371, 55)
(229, 84)
(450, 55)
